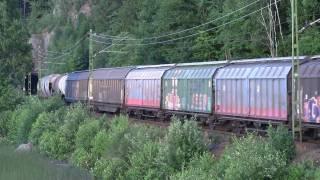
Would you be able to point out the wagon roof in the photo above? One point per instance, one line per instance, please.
(255, 70)
(147, 73)
(79, 75)
(111, 73)
(310, 69)
(191, 72)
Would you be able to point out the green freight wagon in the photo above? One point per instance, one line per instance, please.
(188, 88)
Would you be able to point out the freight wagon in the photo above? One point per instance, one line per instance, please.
(254, 91)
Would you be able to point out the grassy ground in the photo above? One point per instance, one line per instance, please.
(32, 166)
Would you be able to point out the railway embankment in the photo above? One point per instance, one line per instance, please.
(112, 147)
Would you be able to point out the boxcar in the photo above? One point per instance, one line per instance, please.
(188, 88)
(310, 87)
(77, 86)
(143, 87)
(108, 88)
(257, 90)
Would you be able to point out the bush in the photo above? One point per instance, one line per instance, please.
(251, 158)
(281, 140)
(4, 123)
(85, 134)
(110, 169)
(81, 158)
(55, 145)
(99, 144)
(66, 134)
(143, 163)
(182, 143)
(46, 121)
(200, 168)
(26, 114)
(22, 119)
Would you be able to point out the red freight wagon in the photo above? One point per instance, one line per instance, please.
(257, 90)
(143, 87)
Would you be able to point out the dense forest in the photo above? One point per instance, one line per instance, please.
(170, 31)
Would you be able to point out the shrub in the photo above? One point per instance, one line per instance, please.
(81, 158)
(46, 121)
(66, 134)
(281, 140)
(55, 145)
(4, 122)
(251, 158)
(117, 145)
(143, 163)
(200, 168)
(23, 118)
(110, 169)
(26, 114)
(85, 134)
(182, 143)
(99, 144)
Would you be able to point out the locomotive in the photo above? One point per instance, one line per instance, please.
(250, 91)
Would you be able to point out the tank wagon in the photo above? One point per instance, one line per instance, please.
(47, 85)
(253, 91)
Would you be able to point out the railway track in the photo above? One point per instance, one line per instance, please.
(227, 132)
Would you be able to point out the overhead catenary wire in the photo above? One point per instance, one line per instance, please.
(66, 52)
(182, 31)
(195, 34)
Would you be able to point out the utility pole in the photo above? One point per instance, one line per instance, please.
(296, 109)
(91, 66)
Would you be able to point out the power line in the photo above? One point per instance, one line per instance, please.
(182, 31)
(67, 52)
(200, 32)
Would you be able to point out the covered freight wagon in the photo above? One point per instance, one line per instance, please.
(77, 86)
(188, 88)
(143, 87)
(254, 89)
(108, 88)
(310, 90)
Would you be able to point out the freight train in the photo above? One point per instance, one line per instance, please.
(251, 91)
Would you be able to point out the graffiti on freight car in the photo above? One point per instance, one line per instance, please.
(173, 100)
(312, 109)
(199, 102)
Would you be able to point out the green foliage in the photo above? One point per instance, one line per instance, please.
(65, 137)
(5, 117)
(85, 133)
(99, 143)
(143, 163)
(82, 158)
(305, 170)
(251, 158)
(182, 143)
(281, 140)
(10, 97)
(26, 114)
(110, 169)
(56, 145)
(23, 118)
(46, 121)
(200, 168)
(15, 51)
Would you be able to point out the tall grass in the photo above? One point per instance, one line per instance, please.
(32, 166)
